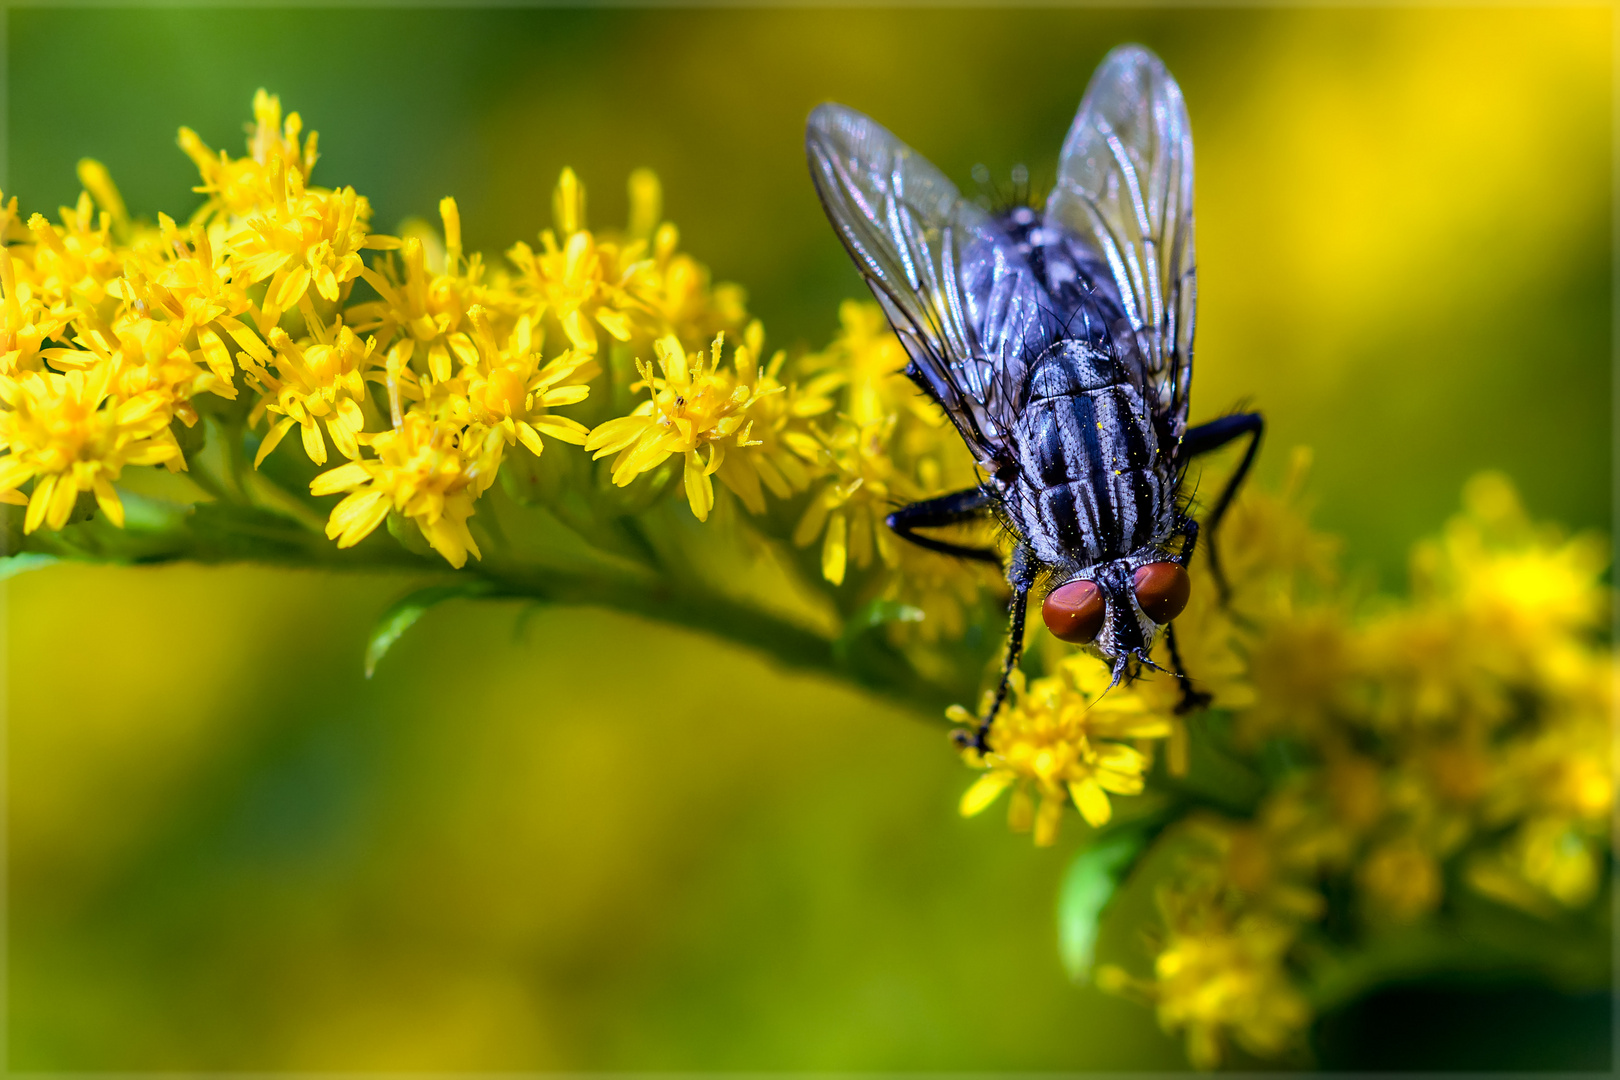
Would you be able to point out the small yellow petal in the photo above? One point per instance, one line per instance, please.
(561, 427)
(699, 488)
(1047, 820)
(835, 548)
(339, 479)
(107, 499)
(985, 790)
(1092, 802)
(40, 502)
(314, 442)
(271, 440)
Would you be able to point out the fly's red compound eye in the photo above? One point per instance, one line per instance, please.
(1074, 612)
(1162, 589)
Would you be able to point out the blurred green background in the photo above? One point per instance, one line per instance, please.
(578, 841)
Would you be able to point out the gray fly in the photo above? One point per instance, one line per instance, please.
(1059, 342)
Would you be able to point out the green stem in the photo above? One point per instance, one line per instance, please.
(220, 534)
(791, 646)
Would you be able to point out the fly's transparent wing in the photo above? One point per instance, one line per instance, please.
(962, 300)
(1125, 184)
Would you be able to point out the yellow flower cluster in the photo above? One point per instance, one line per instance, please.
(1462, 736)
(696, 404)
(425, 369)
(1479, 709)
(1062, 738)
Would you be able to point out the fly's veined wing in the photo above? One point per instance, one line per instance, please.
(1125, 183)
(962, 300)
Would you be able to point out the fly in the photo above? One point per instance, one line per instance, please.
(1059, 342)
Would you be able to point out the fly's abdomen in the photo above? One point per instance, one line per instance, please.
(1090, 482)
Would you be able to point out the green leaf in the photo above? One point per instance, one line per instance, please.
(404, 613)
(1088, 886)
(22, 562)
(870, 617)
(410, 537)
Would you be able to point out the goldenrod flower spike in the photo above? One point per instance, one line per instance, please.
(1055, 739)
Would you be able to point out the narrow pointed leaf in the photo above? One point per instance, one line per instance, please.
(1088, 886)
(404, 613)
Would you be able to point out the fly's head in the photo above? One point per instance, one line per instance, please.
(1117, 608)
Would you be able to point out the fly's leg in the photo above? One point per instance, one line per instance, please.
(952, 509)
(1021, 576)
(1212, 436)
(1191, 700)
(1189, 529)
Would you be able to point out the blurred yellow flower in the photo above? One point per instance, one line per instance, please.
(864, 360)
(1400, 879)
(861, 486)
(426, 297)
(1220, 975)
(237, 186)
(574, 279)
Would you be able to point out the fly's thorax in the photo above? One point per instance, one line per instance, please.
(1070, 367)
(1091, 484)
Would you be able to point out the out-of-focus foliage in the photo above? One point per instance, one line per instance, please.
(1394, 775)
(294, 880)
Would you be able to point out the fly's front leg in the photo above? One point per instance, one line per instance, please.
(952, 509)
(1212, 436)
(1021, 576)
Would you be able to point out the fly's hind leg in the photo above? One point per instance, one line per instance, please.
(952, 509)
(1212, 436)
(1191, 700)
